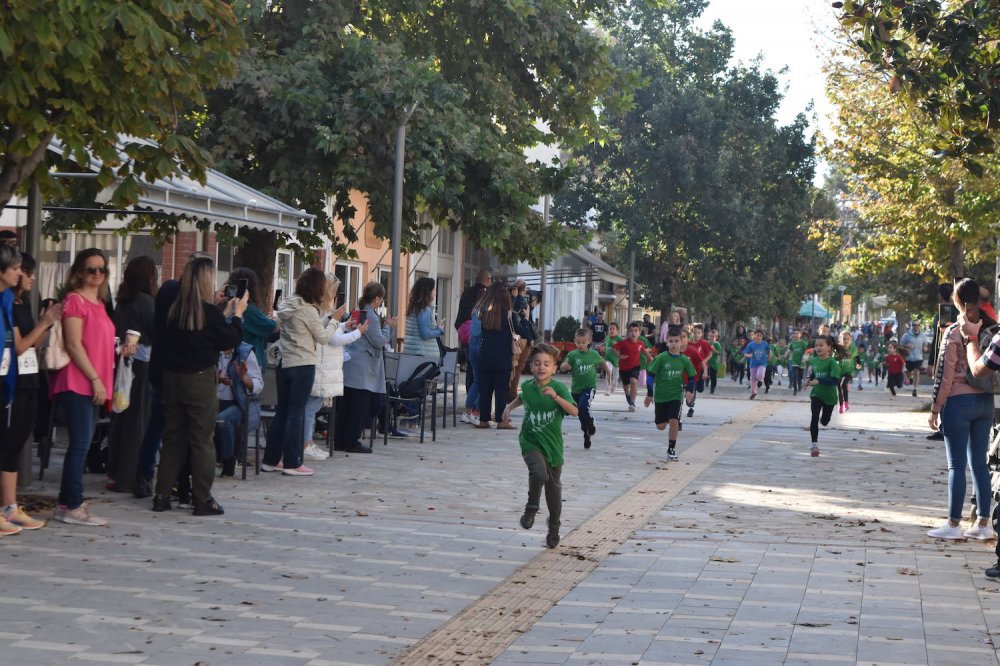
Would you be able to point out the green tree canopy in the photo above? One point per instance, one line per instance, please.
(714, 197)
(313, 110)
(944, 56)
(93, 72)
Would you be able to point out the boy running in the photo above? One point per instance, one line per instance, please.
(895, 366)
(796, 349)
(699, 351)
(714, 359)
(583, 362)
(630, 351)
(545, 402)
(670, 386)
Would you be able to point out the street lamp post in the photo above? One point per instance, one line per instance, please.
(397, 208)
(840, 315)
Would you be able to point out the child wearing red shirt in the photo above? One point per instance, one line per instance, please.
(896, 365)
(629, 351)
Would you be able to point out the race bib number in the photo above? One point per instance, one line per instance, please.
(5, 362)
(27, 363)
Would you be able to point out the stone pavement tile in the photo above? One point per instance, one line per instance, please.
(517, 656)
(907, 651)
(667, 651)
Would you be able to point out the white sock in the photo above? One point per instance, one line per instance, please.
(10, 508)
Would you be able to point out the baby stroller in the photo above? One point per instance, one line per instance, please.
(993, 462)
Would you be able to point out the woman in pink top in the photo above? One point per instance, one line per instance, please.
(965, 415)
(86, 383)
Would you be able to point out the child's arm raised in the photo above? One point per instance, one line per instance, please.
(567, 406)
(514, 404)
(565, 367)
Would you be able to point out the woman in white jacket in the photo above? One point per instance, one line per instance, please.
(329, 381)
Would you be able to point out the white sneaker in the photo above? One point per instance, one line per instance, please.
(980, 533)
(947, 531)
(313, 452)
(81, 515)
(467, 418)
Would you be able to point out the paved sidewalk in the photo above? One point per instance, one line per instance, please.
(752, 552)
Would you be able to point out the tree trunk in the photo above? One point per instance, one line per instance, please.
(956, 265)
(16, 170)
(258, 253)
(666, 298)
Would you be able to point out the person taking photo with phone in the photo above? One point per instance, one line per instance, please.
(258, 328)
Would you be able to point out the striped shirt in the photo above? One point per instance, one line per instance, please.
(991, 357)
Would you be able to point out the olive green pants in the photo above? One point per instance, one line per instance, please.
(190, 404)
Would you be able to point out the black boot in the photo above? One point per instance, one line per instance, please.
(209, 508)
(228, 467)
(161, 503)
(143, 488)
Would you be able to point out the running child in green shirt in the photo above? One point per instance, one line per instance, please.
(583, 361)
(545, 403)
(611, 357)
(824, 378)
(715, 360)
(674, 379)
(796, 349)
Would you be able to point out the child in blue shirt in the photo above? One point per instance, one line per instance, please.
(756, 352)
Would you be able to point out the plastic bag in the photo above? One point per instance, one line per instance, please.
(123, 386)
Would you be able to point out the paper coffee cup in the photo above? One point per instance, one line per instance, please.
(132, 336)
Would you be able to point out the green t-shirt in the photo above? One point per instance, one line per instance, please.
(610, 355)
(584, 365)
(825, 368)
(717, 356)
(847, 362)
(643, 363)
(669, 371)
(797, 349)
(542, 426)
(781, 354)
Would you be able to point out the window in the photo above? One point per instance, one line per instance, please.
(443, 300)
(283, 276)
(446, 241)
(350, 284)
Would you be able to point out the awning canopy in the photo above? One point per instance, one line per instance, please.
(813, 309)
(605, 271)
(221, 200)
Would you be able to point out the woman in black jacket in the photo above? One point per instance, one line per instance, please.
(195, 334)
(500, 325)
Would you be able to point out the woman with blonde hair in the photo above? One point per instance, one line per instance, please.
(84, 384)
(196, 332)
(329, 381)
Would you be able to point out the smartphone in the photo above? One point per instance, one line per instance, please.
(359, 317)
(241, 287)
(971, 312)
(230, 291)
(947, 314)
(277, 297)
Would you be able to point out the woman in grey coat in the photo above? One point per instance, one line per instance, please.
(364, 373)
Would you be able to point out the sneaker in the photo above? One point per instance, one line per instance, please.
(840, 408)
(814, 451)
(690, 412)
(994, 571)
(228, 468)
(184, 501)
(21, 519)
(593, 430)
(313, 452)
(753, 395)
(586, 441)
(301, 470)
(527, 519)
(209, 508)
(8, 529)
(161, 504)
(143, 489)
(914, 393)
(672, 454)
(467, 418)
(977, 532)
(81, 515)
(631, 408)
(947, 531)
(271, 468)
(552, 538)
(759, 383)
(847, 406)
(936, 436)
(680, 426)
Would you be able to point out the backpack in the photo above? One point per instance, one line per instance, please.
(990, 382)
(415, 386)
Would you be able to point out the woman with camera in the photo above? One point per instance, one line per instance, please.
(962, 407)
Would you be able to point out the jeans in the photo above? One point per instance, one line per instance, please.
(152, 437)
(313, 405)
(81, 419)
(965, 422)
(226, 424)
(582, 401)
(492, 385)
(284, 437)
(472, 373)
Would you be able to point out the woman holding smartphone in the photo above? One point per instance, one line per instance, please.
(962, 406)
(258, 328)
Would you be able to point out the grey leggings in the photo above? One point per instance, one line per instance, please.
(542, 475)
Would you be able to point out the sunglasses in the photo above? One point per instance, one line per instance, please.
(94, 270)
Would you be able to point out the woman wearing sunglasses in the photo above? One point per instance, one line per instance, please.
(84, 385)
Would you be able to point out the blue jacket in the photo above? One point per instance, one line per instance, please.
(7, 306)
(248, 404)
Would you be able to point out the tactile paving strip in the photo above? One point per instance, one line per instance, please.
(485, 629)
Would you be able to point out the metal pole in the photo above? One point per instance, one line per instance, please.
(543, 279)
(631, 286)
(397, 209)
(32, 242)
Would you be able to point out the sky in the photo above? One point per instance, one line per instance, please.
(786, 33)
